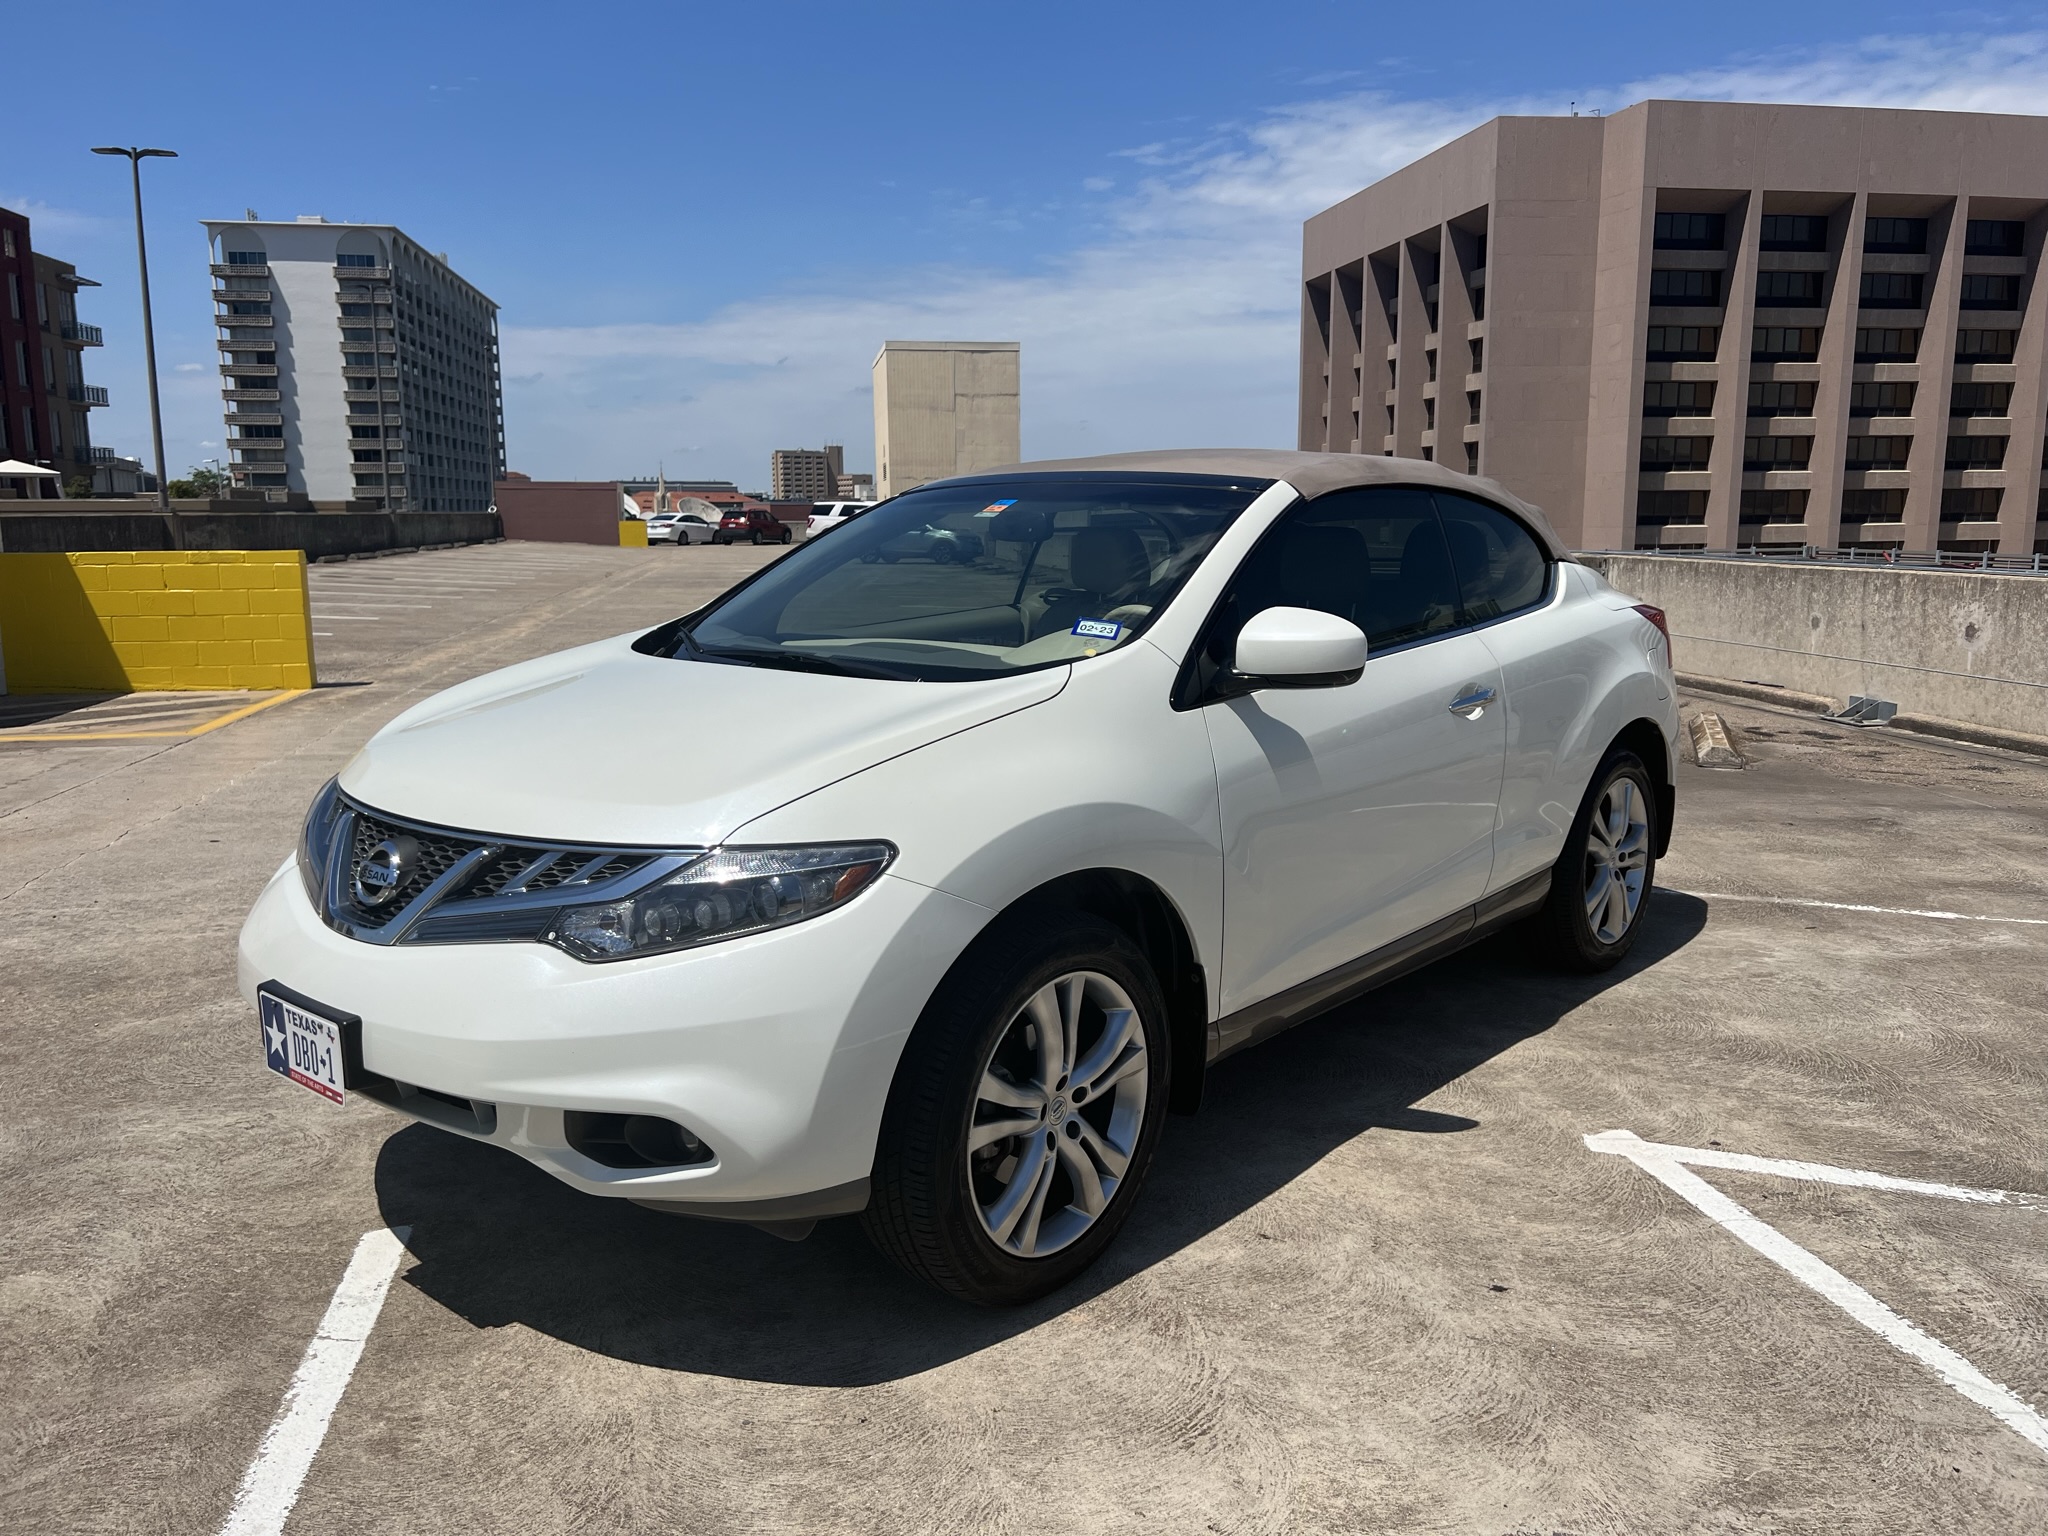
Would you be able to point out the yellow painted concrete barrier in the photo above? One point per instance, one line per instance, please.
(125, 620)
(632, 535)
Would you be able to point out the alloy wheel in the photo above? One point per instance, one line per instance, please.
(1057, 1115)
(1617, 860)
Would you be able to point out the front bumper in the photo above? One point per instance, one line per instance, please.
(776, 1050)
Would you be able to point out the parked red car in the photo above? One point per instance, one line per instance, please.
(756, 525)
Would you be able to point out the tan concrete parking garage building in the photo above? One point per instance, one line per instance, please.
(1703, 324)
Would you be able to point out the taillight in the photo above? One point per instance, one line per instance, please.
(1656, 617)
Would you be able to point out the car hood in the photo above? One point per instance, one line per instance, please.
(602, 744)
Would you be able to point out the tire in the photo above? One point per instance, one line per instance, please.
(1571, 932)
(756, 539)
(787, 535)
(958, 1216)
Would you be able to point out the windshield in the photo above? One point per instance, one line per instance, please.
(974, 579)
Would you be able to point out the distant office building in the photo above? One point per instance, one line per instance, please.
(805, 474)
(44, 399)
(1704, 324)
(357, 366)
(943, 408)
(853, 487)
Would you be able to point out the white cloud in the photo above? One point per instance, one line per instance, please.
(1174, 323)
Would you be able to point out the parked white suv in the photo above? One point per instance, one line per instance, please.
(1002, 855)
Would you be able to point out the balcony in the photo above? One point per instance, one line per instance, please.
(78, 331)
(249, 394)
(355, 373)
(254, 419)
(236, 269)
(246, 343)
(263, 320)
(364, 274)
(243, 295)
(86, 394)
(253, 370)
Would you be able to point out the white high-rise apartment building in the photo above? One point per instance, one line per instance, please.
(355, 366)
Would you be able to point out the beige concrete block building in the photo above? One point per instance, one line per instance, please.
(1704, 324)
(943, 408)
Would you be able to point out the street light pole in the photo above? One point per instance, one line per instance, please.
(156, 421)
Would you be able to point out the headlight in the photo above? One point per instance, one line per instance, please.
(315, 838)
(723, 895)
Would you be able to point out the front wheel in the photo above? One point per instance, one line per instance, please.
(1603, 878)
(1024, 1113)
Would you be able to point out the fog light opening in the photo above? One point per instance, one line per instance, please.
(632, 1141)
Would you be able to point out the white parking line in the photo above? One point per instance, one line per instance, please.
(1852, 906)
(271, 1485)
(1666, 1165)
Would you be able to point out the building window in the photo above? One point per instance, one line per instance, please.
(1980, 399)
(1665, 509)
(1902, 237)
(1479, 355)
(1689, 231)
(1678, 397)
(1429, 414)
(1877, 452)
(259, 432)
(1877, 345)
(367, 455)
(1890, 399)
(1984, 290)
(1994, 237)
(1682, 343)
(1793, 232)
(1429, 357)
(348, 260)
(365, 432)
(9, 236)
(1873, 506)
(1780, 398)
(1978, 504)
(1471, 458)
(1662, 453)
(1976, 453)
(1769, 453)
(363, 310)
(1789, 290)
(358, 359)
(1471, 407)
(249, 307)
(358, 335)
(248, 258)
(1678, 286)
(1772, 507)
(269, 480)
(14, 293)
(1784, 343)
(1890, 290)
(1984, 346)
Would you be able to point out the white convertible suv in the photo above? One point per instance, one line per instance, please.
(1004, 852)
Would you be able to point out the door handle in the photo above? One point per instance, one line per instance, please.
(1472, 702)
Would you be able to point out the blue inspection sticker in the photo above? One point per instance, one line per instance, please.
(1098, 629)
(996, 506)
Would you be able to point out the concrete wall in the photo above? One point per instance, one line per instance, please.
(944, 408)
(1953, 645)
(314, 534)
(122, 620)
(561, 511)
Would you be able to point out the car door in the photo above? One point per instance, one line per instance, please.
(1550, 661)
(1353, 816)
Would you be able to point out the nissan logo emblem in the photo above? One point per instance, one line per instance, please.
(384, 869)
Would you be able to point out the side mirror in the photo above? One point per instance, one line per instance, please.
(1297, 648)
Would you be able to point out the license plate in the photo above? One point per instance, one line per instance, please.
(302, 1045)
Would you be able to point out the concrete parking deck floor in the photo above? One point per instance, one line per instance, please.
(1379, 1284)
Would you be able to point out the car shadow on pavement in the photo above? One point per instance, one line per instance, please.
(499, 1242)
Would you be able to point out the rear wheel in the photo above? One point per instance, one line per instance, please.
(1024, 1113)
(1602, 880)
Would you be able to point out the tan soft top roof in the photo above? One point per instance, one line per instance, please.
(1312, 474)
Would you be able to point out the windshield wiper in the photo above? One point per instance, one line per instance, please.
(802, 661)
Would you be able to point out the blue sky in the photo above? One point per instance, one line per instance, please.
(702, 220)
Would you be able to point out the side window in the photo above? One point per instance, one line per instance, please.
(1500, 566)
(1375, 556)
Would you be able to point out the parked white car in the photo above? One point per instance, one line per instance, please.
(827, 515)
(679, 528)
(1001, 857)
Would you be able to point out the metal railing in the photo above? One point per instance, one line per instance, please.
(87, 394)
(237, 269)
(79, 331)
(1924, 560)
